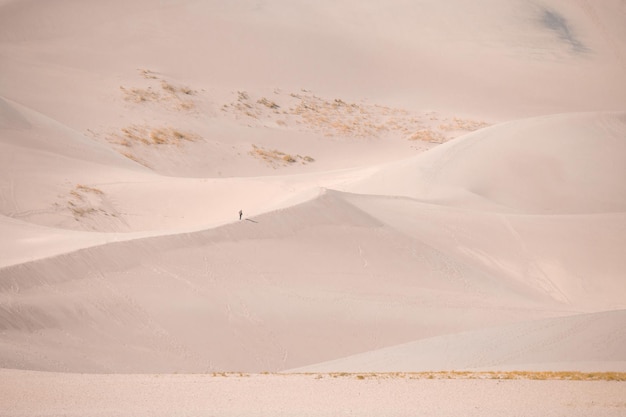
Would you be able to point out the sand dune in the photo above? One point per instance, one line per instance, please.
(315, 274)
(563, 164)
(424, 185)
(559, 344)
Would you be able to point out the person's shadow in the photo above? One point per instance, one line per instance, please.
(250, 220)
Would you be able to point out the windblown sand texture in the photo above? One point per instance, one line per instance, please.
(433, 197)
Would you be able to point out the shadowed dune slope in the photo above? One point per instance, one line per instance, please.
(297, 286)
(293, 287)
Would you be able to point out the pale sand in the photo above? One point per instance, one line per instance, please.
(132, 133)
(51, 394)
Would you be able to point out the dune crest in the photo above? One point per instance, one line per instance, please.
(562, 164)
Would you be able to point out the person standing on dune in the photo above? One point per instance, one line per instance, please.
(240, 214)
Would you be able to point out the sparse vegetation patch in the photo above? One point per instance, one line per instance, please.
(80, 188)
(276, 158)
(268, 103)
(147, 74)
(339, 118)
(517, 375)
(428, 135)
(494, 375)
(143, 135)
(84, 201)
(171, 95)
(458, 124)
(89, 208)
(130, 141)
(139, 95)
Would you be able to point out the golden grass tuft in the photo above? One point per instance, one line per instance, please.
(132, 138)
(153, 136)
(427, 135)
(147, 74)
(463, 124)
(176, 97)
(242, 96)
(139, 95)
(268, 103)
(174, 90)
(134, 158)
(81, 211)
(82, 200)
(87, 189)
(277, 158)
(167, 87)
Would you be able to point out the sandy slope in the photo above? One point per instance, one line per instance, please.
(532, 55)
(561, 344)
(313, 275)
(344, 273)
(558, 164)
(425, 185)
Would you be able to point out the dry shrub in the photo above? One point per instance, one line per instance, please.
(463, 124)
(167, 87)
(155, 136)
(147, 74)
(186, 90)
(81, 211)
(80, 205)
(277, 158)
(174, 90)
(427, 135)
(169, 93)
(87, 189)
(268, 103)
(139, 95)
(134, 158)
(242, 96)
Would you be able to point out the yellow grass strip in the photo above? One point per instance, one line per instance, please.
(487, 375)
(499, 375)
